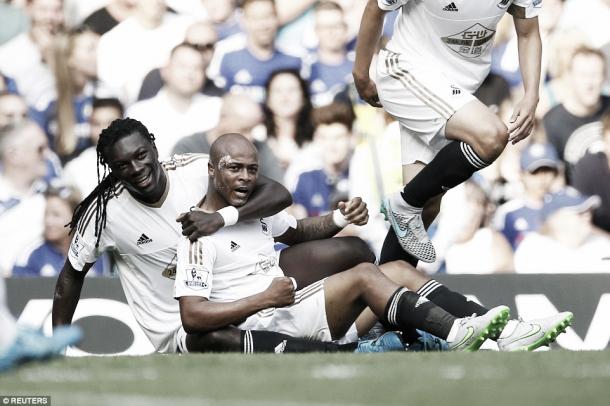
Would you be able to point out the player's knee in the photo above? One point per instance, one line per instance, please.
(359, 249)
(366, 273)
(491, 140)
(217, 341)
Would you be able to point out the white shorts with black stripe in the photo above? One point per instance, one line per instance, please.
(306, 318)
(422, 99)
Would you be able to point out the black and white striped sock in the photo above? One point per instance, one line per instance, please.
(453, 164)
(407, 309)
(453, 302)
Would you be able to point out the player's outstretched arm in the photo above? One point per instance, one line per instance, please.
(199, 315)
(316, 228)
(269, 198)
(67, 293)
(530, 51)
(368, 38)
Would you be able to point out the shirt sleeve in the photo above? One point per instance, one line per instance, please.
(389, 5)
(530, 8)
(82, 248)
(194, 269)
(281, 222)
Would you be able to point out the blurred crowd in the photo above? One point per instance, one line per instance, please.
(279, 72)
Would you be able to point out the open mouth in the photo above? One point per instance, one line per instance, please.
(241, 191)
(143, 182)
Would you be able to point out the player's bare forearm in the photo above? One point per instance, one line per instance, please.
(200, 315)
(309, 229)
(267, 199)
(368, 38)
(67, 293)
(530, 54)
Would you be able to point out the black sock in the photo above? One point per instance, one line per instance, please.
(407, 309)
(453, 302)
(270, 341)
(393, 251)
(453, 164)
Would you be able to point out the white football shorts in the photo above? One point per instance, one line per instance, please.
(422, 99)
(306, 318)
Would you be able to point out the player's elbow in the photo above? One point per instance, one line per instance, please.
(194, 321)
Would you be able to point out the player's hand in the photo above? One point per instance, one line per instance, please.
(197, 224)
(355, 211)
(367, 90)
(280, 293)
(521, 123)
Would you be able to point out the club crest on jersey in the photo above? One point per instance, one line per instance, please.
(471, 42)
(264, 264)
(503, 4)
(196, 278)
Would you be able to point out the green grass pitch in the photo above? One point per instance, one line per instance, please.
(453, 379)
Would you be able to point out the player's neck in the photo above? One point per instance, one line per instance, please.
(212, 201)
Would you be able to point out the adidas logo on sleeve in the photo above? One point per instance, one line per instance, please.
(143, 240)
(450, 7)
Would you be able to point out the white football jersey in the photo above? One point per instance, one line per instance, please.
(233, 263)
(455, 37)
(142, 239)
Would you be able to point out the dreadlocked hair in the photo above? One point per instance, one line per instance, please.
(106, 181)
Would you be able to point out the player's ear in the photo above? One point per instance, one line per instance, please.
(210, 169)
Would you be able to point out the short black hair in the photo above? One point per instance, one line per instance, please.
(111, 102)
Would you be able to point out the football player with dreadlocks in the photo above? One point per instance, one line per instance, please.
(132, 213)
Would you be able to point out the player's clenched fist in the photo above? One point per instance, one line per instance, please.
(281, 292)
(355, 211)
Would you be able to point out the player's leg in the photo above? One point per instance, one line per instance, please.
(232, 339)
(391, 249)
(19, 345)
(312, 261)
(518, 335)
(348, 293)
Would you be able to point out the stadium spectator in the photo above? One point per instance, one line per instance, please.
(560, 48)
(12, 109)
(330, 67)
(248, 69)
(238, 114)
(7, 85)
(202, 36)
(589, 16)
(178, 110)
(586, 74)
(106, 18)
(374, 172)
(23, 146)
(472, 235)
(223, 15)
(14, 21)
(287, 111)
(66, 119)
(140, 43)
(567, 242)
(591, 175)
(540, 167)
(138, 224)
(26, 58)
(19, 345)
(81, 172)
(319, 191)
(47, 258)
